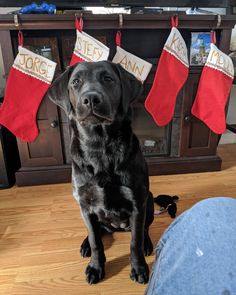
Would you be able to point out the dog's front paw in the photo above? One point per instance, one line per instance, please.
(140, 274)
(85, 249)
(94, 274)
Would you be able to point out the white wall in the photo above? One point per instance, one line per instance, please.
(5, 10)
(233, 39)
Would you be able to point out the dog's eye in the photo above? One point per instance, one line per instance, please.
(108, 79)
(76, 82)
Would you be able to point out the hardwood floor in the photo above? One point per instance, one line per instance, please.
(41, 231)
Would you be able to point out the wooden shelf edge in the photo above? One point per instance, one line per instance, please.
(98, 21)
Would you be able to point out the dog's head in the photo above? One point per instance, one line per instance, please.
(95, 92)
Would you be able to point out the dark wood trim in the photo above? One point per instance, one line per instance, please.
(231, 127)
(157, 166)
(225, 37)
(43, 175)
(7, 51)
(9, 158)
(111, 21)
(183, 165)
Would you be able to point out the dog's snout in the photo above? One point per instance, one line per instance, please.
(91, 99)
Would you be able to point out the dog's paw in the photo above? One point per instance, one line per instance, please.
(85, 250)
(148, 247)
(140, 274)
(94, 275)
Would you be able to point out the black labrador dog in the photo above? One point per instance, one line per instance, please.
(109, 173)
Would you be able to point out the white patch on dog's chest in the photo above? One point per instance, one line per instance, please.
(113, 219)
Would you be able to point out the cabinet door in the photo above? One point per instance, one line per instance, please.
(46, 150)
(197, 139)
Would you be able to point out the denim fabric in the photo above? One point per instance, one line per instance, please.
(197, 253)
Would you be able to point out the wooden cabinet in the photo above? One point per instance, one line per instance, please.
(197, 139)
(184, 145)
(46, 150)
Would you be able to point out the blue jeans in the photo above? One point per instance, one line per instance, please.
(197, 253)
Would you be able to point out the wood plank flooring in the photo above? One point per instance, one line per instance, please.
(41, 231)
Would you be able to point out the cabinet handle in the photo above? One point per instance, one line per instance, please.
(54, 124)
(187, 118)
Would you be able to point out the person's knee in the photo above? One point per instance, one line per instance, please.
(214, 205)
(216, 201)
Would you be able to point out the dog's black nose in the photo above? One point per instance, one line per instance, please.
(91, 99)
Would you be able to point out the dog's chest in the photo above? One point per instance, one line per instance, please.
(113, 207)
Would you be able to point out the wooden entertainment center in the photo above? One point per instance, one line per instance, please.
(185, 145)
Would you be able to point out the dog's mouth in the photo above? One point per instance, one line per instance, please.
(95, 119)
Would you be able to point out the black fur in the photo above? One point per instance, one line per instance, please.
(109, 173)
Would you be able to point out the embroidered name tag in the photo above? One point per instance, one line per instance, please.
(133, 64)
(90, 49)
(220, 61)
(34, 65)
(175, 45)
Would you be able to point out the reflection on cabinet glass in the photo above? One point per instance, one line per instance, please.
(154, 140)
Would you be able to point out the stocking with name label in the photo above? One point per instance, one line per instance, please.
(87, 48)
(27, 83)
(171, 74)
(214, 88)
(133, 64)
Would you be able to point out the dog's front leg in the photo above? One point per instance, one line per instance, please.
(139, 267)
(95, 270)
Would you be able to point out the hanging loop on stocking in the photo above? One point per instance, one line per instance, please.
(20, 38)
(218, 21)
(175, 21)
(120, 21)
(213, 32)
(87, 48)
(118, 34)
(79, 23)
(16, 20)
(118, 38)
(213, 37)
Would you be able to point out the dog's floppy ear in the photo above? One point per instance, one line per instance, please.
(131, 87)
(58, 91)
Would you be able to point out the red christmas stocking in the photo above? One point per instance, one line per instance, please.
(213, 90)
(87, 48)
(28, 81)
(171, 74)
